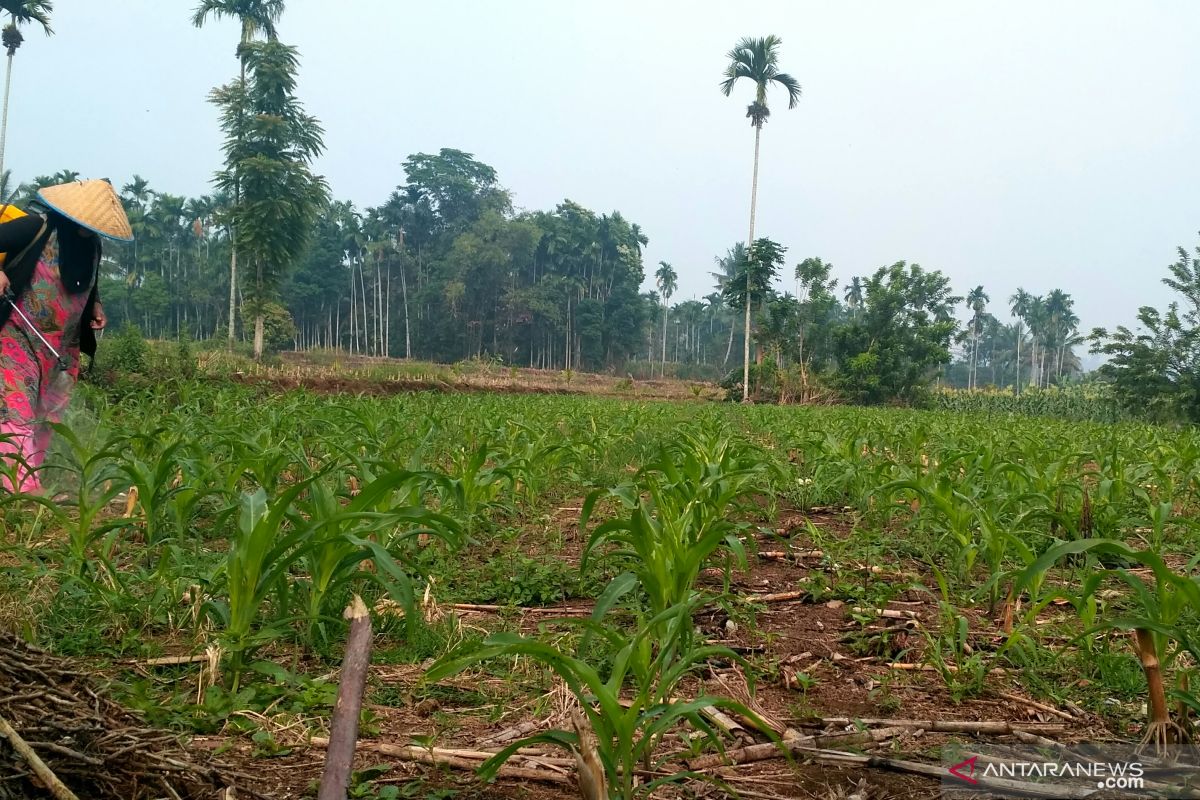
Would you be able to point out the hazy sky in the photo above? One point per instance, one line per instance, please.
(1034, 144)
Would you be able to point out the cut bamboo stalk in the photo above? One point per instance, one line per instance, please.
(343, 730)
(432, 755)
(44, 774)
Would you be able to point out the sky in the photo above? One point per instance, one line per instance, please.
(1017, 144)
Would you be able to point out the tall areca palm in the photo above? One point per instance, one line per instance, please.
(757, 60)
(730, 266)
(20, 12)
(1019, 305)
(255, 16)
(666, 280)
(854, 294)
(977, 301)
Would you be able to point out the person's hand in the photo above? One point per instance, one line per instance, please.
(98, 318)
(4, 283)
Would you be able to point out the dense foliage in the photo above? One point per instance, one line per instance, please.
(1156, 370)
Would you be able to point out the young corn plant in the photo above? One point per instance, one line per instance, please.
(261, 553)
(96, 479)
(627, 695)
(371, 526)
(677, 516)
(1163, 616)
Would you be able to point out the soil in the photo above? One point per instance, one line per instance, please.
(808, 635)
(382, 377)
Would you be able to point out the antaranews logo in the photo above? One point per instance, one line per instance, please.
(1076, 770)
(965, 770)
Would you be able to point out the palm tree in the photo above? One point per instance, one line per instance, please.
(255, 16)
(977, 301)
(666, 280)
(1062, 324)
(21, 12)
(730, 266)
(758, 61)
(1037, 320)
(854, 294)
(273, 162)
(1019, 304)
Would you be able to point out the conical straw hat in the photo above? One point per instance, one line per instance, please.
(93, 204)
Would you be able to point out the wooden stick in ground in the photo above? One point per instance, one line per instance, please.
(46, 775)
(343, 730)
(426, 755)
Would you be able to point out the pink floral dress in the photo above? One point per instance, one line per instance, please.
(34, 391)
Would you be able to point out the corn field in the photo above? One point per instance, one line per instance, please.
(222, 520)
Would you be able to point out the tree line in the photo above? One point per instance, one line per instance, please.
(444, 268)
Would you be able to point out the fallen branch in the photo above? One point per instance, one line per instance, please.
(493, 609)
(764, 752)
(885, 613)
(170, 661)
(44, 773)
(1038, 706)
(996, 728)
(948, 667)
(783, 555)
(776, 597)
(434, 756)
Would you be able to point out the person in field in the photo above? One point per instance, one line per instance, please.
(49, 313)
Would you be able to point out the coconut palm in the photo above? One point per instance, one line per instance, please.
(757, 60)
(20, 12)
(666, 280)
(255, 16)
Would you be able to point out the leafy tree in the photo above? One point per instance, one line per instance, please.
(757, 60)
(751, 286)
(1156, 370)
(20, 12)
(816, 304)
(893, 348)
(270, 145)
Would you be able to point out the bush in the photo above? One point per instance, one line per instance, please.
(127, 352)
(764, 383)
